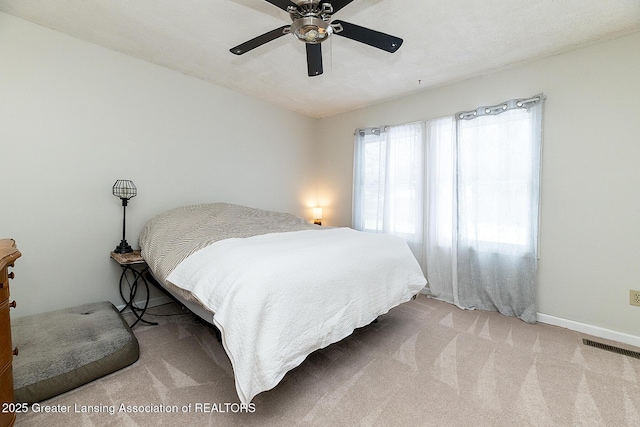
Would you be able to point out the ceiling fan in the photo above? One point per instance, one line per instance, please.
(312, 24)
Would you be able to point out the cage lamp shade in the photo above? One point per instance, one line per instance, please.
(125, 189)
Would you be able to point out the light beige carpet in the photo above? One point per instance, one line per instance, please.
(426, 363)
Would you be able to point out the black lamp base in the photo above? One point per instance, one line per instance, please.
(123, 248)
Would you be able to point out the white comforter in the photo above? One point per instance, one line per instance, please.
(278, 297)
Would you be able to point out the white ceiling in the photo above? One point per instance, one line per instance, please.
(444, 41)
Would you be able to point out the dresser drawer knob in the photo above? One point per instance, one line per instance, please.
(11, 275)
(12, 304)
(15, 351)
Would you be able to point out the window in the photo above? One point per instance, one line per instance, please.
(498, 170)
(388, 180)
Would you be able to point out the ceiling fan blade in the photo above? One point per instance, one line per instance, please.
(314, 59)
(367, 36)
(337, 4)
(258, 41)
(283, 4)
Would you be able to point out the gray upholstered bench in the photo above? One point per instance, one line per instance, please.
(64, 349)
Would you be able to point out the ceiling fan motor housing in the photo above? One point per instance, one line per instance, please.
(311, 29)
(311, 21)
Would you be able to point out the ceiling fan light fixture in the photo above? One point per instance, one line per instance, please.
(311, 29)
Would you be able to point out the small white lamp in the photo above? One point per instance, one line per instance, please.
(317, 216)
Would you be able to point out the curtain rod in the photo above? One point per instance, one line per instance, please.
(499, 108)
(371, 131)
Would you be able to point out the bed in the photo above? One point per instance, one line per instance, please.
(276, 287)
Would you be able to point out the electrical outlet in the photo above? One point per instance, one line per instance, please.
(634, 297)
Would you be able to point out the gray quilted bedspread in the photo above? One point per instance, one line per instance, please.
(170, 237)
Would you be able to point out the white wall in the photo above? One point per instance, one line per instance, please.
(590, 236)
(75, 117)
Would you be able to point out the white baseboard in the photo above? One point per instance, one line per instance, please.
(590, 329)
(153, 302)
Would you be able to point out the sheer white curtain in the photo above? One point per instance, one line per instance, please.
(482, 186)
(388, 182)
(464, 192)
(440, 207)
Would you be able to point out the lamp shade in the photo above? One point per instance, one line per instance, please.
(125, 189)
(317, 213)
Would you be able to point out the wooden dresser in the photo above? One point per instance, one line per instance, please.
(8, 254)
